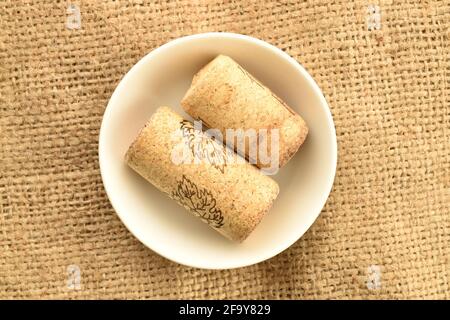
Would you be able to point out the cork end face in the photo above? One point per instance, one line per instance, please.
(294, 132)
(200, 79)
(135, 146)
(270, 196)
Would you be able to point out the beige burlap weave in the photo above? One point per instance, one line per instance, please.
(385, 230)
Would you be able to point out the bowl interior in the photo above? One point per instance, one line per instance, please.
(162, 78)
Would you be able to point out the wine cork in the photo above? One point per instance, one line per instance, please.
(225, 96)
(206, 178)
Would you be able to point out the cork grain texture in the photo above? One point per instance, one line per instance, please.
(385, 229)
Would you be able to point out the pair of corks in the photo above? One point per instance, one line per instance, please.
(197, 170)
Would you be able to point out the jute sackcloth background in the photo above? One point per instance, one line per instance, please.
(385, 230)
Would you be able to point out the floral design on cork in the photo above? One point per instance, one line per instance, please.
(200, 201)
(202, 147)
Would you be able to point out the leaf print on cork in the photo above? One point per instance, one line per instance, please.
(203, 147)
(199, 201)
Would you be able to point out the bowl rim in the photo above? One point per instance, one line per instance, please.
(294, 64)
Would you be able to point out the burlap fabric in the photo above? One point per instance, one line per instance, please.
(385, 230)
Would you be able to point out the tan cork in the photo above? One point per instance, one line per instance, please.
(232, 196)
(225, 96)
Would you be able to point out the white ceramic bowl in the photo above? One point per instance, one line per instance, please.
(161, 78)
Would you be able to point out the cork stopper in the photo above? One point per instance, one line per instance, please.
(225, 96)
(209, 180)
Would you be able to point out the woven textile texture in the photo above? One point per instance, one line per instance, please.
(384, 68)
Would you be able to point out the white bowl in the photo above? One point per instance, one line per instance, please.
(161, 78)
